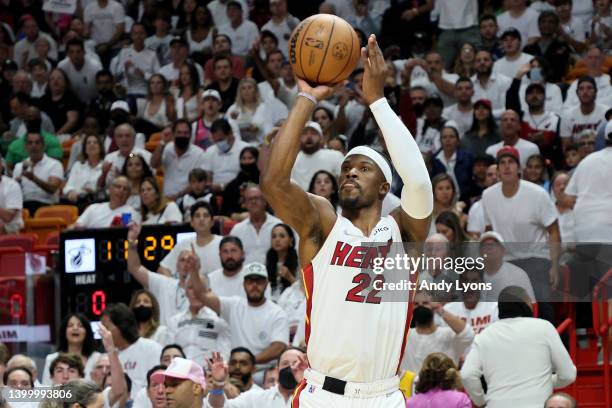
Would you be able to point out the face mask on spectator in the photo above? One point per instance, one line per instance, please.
(143, 313)
(181, 142)
(224, 146)
(286, 378)
(422, 315)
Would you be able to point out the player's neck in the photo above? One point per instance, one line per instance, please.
(364, 218)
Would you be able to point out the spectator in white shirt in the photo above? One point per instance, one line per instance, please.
(222, 159)
(560, 400)
(281, 24)
(489, 85)
(111, 213)
(218, 9)
(523, 214)
(155, 395)
(82, 184)
(594, 62)
(255, 322)
(125, 138)
(81, 70)
(573, 29)
(462, 113)
(256, 230)
(427, 337)
(514, 58)
(105, 24)
(457, 28)
(184, 383)
(243, 33)
(522, 18)
(521, 358)
(177, 158)
(587, 114)
(155, 208)
(40, 176)
(25, 49)
(135, 64)
(159, 42)
(11, 203)
(509, 129)
(313, 158)
(241, 367)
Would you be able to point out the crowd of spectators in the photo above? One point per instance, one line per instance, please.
(165, 109)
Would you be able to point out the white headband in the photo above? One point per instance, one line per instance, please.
(380, 161)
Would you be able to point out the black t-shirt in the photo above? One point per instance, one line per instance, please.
(228, 97)
(58, 110)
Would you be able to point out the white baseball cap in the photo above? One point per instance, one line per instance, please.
(255, 269)
(314, 125)
(492, 234)
(212, 93)
(182, 369)
(121, 105)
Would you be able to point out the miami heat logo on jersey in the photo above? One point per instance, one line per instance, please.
(358, 256)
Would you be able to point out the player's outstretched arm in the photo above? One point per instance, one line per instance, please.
(417, 197)
(304, 212)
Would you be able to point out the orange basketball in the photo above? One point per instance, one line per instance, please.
(324, 49)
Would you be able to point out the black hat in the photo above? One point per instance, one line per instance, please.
(9, 65)
(535, 85)
(511, 31)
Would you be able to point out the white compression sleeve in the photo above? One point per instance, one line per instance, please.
(417, 195)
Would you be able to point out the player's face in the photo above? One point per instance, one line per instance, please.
(535, 98)
(446, 231)
(361, 183)
(491, 177)
(231, 256)
(168, 355)
(201, 221)
(179, 393)
(255, 288)
(75, 332)
(310, 141)
(483, 62)
(443, 193)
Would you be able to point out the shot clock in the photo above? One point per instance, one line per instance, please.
(93, 264)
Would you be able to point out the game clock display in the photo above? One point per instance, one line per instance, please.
(93, 264)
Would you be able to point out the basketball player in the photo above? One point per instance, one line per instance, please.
(355, 342)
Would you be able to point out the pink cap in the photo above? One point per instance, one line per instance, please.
(183, 369)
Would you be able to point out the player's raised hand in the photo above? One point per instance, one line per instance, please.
(374, 71)
(320, 92)
(218, 367)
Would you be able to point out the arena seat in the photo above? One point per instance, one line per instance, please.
(44, 226)
(25, 241)
(226, 226)
(12, 261)
(70, 213)
(67, 148)
(153, 142)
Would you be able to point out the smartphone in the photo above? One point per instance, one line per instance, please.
(535, 74)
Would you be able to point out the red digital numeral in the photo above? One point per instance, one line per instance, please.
(98, 302)
(16, 306)
(363, 281)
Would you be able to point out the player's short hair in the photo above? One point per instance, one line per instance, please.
(200, 204)
(26, 370)
(586, 78)
(221, 125)
(487, 17)
(198, 174)
(124, 319)
(563, 395)
(218, 58)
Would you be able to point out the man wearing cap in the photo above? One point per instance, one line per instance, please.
(256, 322)
(25, 49)
(177, 158)
(522, 19)
(523, 214)
(514, 58)
(312, 157)
(184, 382)
(489, 85)
(343, 366)
(509, 129)
(243, 33)
(210, 110)
(499, 273)
(255, 231)
(81, 70)
(594, 61)
(556, 52)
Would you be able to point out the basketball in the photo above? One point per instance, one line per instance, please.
(324, 49)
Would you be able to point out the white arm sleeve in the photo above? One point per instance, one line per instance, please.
(417, 195)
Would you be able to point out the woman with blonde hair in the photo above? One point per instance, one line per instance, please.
(154, 208)
(253, 115)
(438, 385)
(145, 307)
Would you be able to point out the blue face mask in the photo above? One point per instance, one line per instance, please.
(224, 146)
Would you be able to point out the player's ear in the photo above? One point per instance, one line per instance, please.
(385, 187)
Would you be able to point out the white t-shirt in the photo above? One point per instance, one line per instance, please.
(224, 166)
(208, 254)
(145, 60)
(200, 335)
(523, 218)
(525, 148)
(443, 340)
(270, 398)
(177, 168)
(494, 90)
(25, 47)
(46, 168)
(591, 185)
(83, 81)
(230, 286)
(254, 327)
(256, 244)
(451, 19)
(306, 165)
(100, 215)
(282, 31)
(517, 357)
(509, 68)
(83, 176)
(89, 366)
(169, 294)
(476, 221)
(137, 359)
(573, 121)
(553, 102)
(218, 9)
(170, 215)
(291, 301)
(526, 24)
(463, 119)
(104, 21)
(117, 160)
(243, 37)
(11, 198)
(479, 318)
(604, 91)
(576, 28)
(507, 275)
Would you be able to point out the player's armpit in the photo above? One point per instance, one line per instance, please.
(412, 229)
